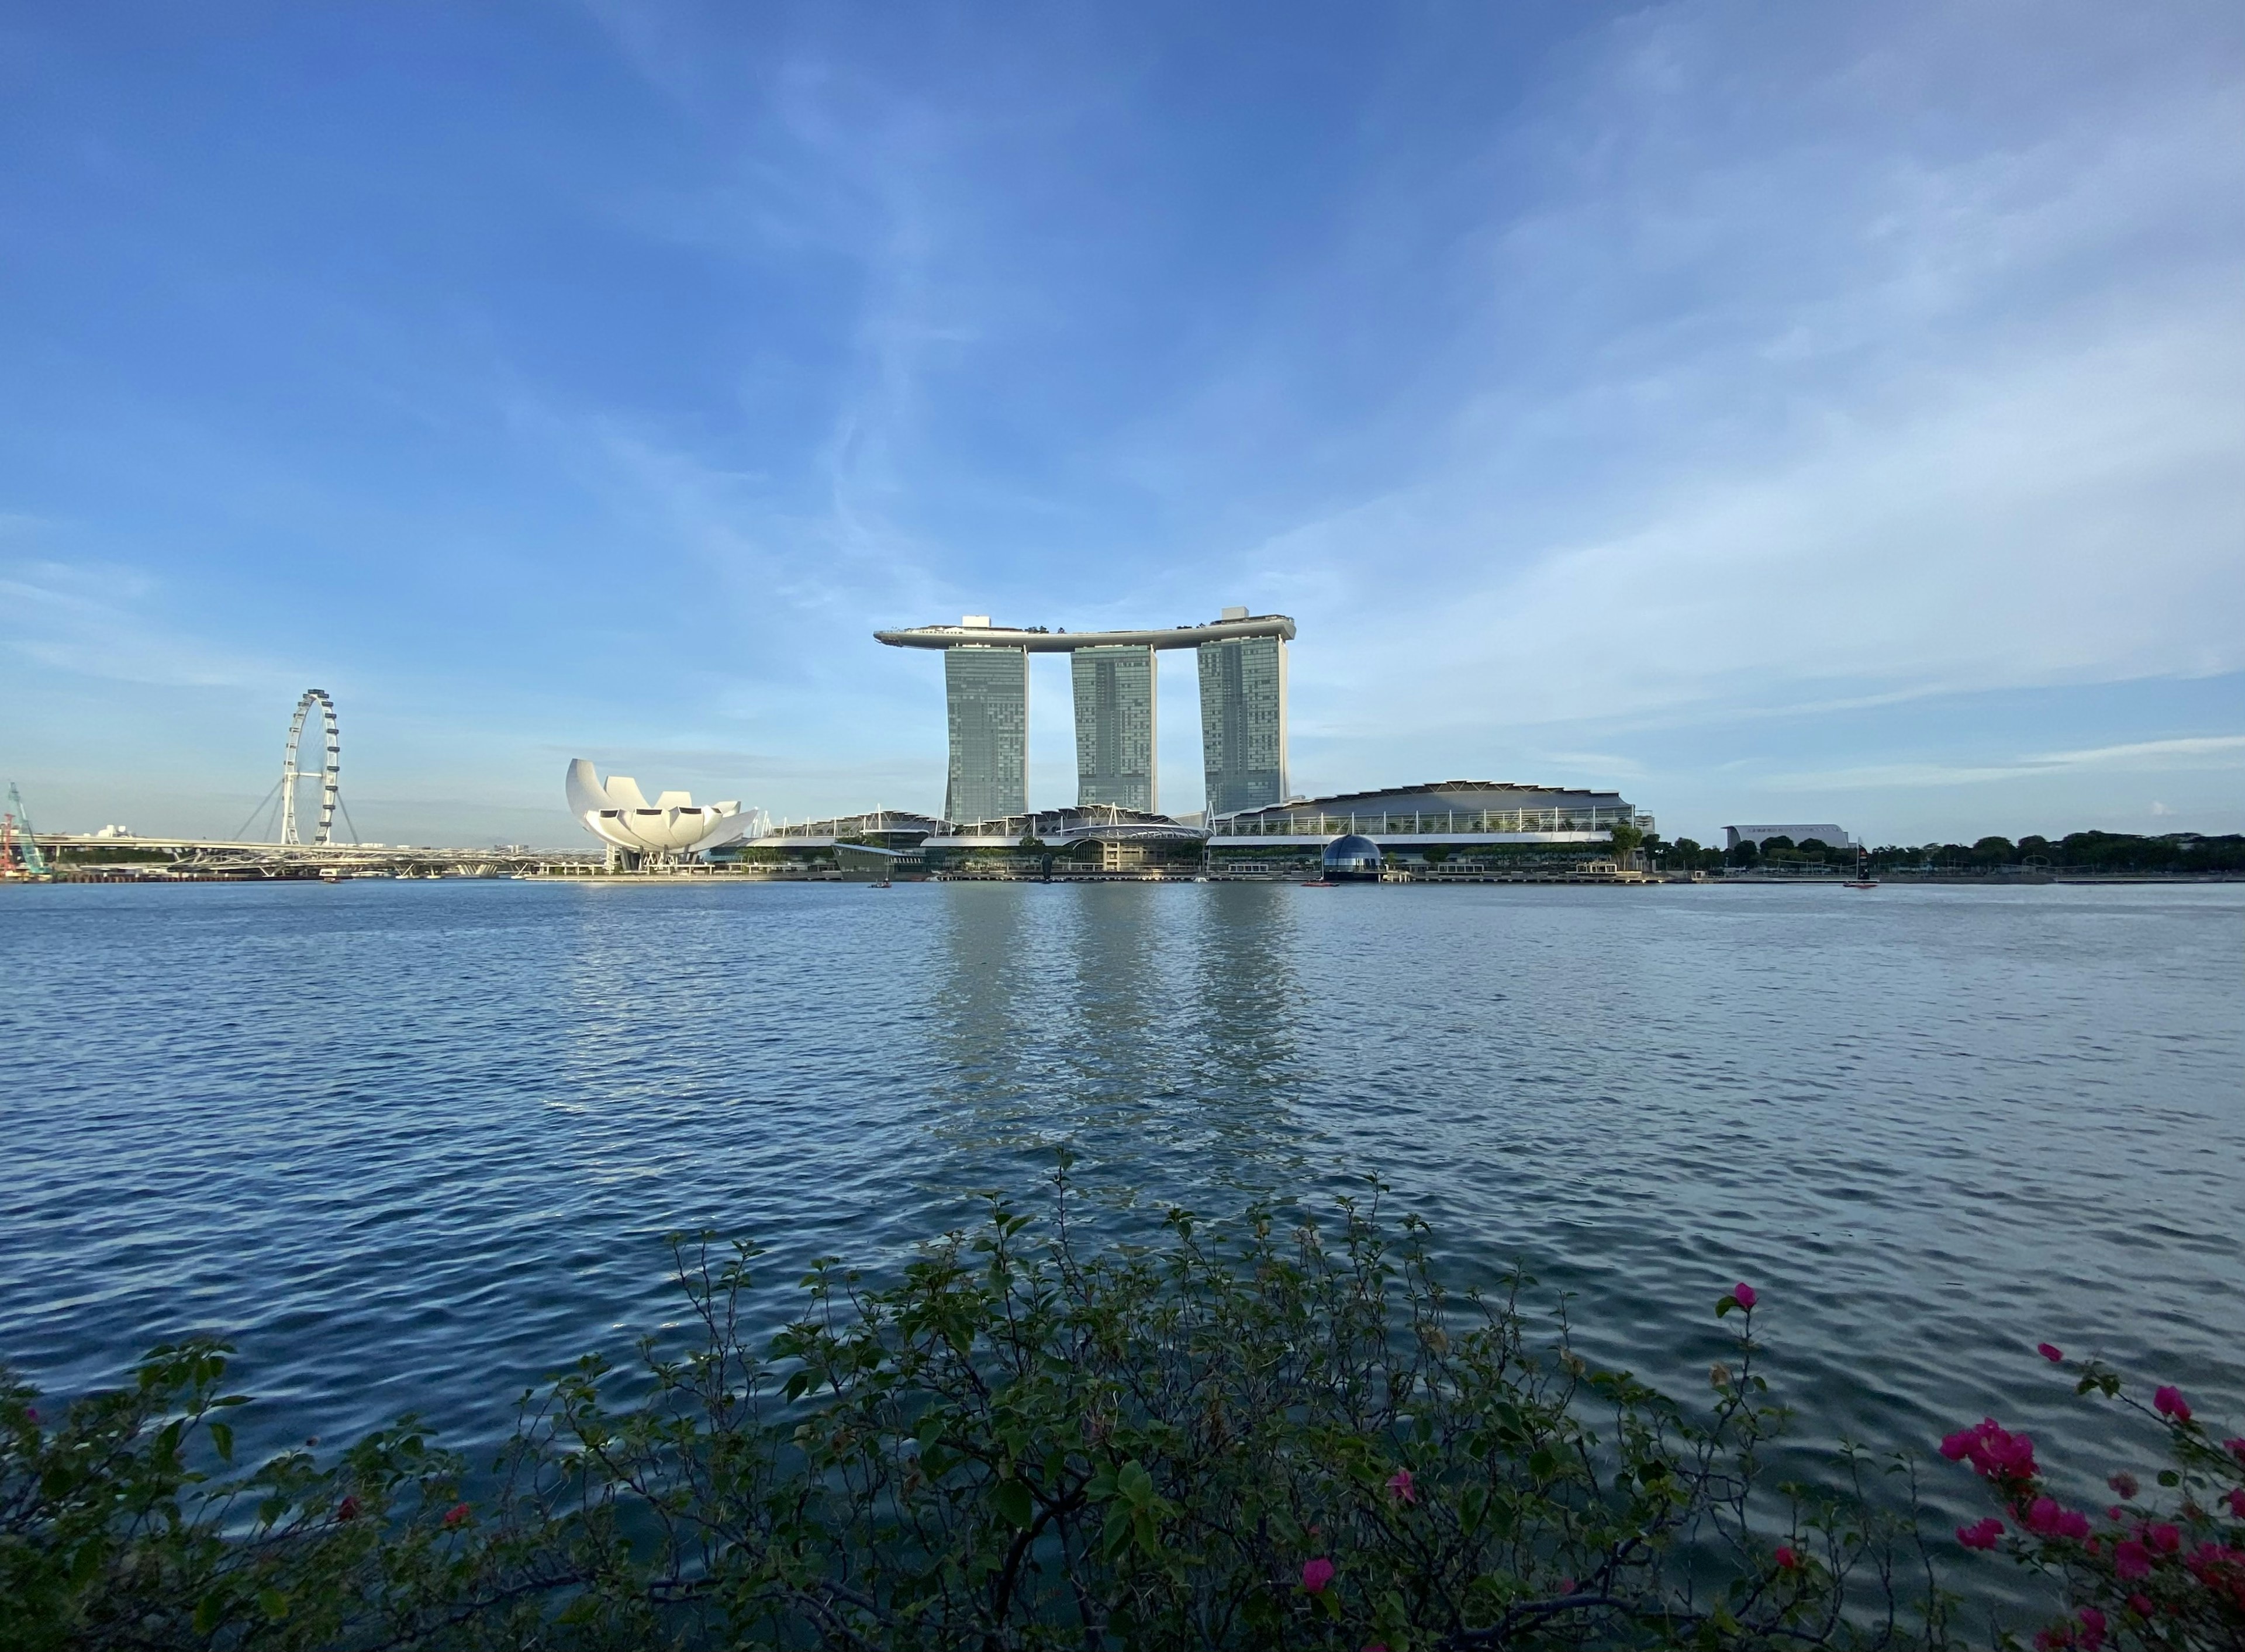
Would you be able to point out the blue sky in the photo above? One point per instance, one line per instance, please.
(1774, 412)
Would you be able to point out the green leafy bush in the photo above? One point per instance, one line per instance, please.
(1264, 1436)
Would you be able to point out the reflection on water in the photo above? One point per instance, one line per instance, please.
(1154, 1028)
(987, 1002)
(1249, 1007)
(433, 1132)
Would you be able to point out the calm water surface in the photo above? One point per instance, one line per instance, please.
(414, 1144)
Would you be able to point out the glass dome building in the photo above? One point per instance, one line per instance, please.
(1351, 859)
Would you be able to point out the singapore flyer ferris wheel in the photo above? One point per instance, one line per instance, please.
(330, 771)
(293, 770)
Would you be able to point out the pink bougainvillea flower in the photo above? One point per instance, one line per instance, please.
(2046, 1518)
(1982, 1535)
(2163, 1538)
(2092, 1627)
(2168, 1402)
(456, 1514)
(2051, 1639)
(1993, 1450)
(2131, 1559)
(2233, 1499)
(348, 1509)
(1788, 1557)
(1317, 1575)
(2123, 1483)
(2140, 1605)
(2234, 1447)
(1400, 1483)
(1744, 1295)
(2049, 1353)
(2221, 1569)
(1566, 1585)
(2006, 1456)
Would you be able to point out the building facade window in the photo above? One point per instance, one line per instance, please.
(1116, 734)
(986, 697)
(1243, 723)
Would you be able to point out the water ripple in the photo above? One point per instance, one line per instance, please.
(415, 1145)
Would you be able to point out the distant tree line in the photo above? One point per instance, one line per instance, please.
(2177, 852)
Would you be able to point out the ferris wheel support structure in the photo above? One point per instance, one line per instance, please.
(330, 771)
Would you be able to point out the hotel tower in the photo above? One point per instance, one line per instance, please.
(986, 673)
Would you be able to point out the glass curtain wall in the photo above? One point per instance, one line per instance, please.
(987, 695)
(1243, 723)
(1115, 727)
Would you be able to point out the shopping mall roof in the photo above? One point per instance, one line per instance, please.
(1446, 796)
(1098, 822)
(878, 822)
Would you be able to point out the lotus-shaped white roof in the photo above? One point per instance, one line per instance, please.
(673, 824)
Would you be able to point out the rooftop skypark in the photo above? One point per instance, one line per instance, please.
(975, 631)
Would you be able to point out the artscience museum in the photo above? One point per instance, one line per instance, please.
(671, 826)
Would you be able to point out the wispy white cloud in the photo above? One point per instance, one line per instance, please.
(2230, 749)
(815, 156)
(105, 622)
(1811, 414)
(2156, 756)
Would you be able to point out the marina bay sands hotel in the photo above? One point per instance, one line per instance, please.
(986, 679)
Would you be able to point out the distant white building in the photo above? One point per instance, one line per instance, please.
(1836, 836)
(615, 812)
